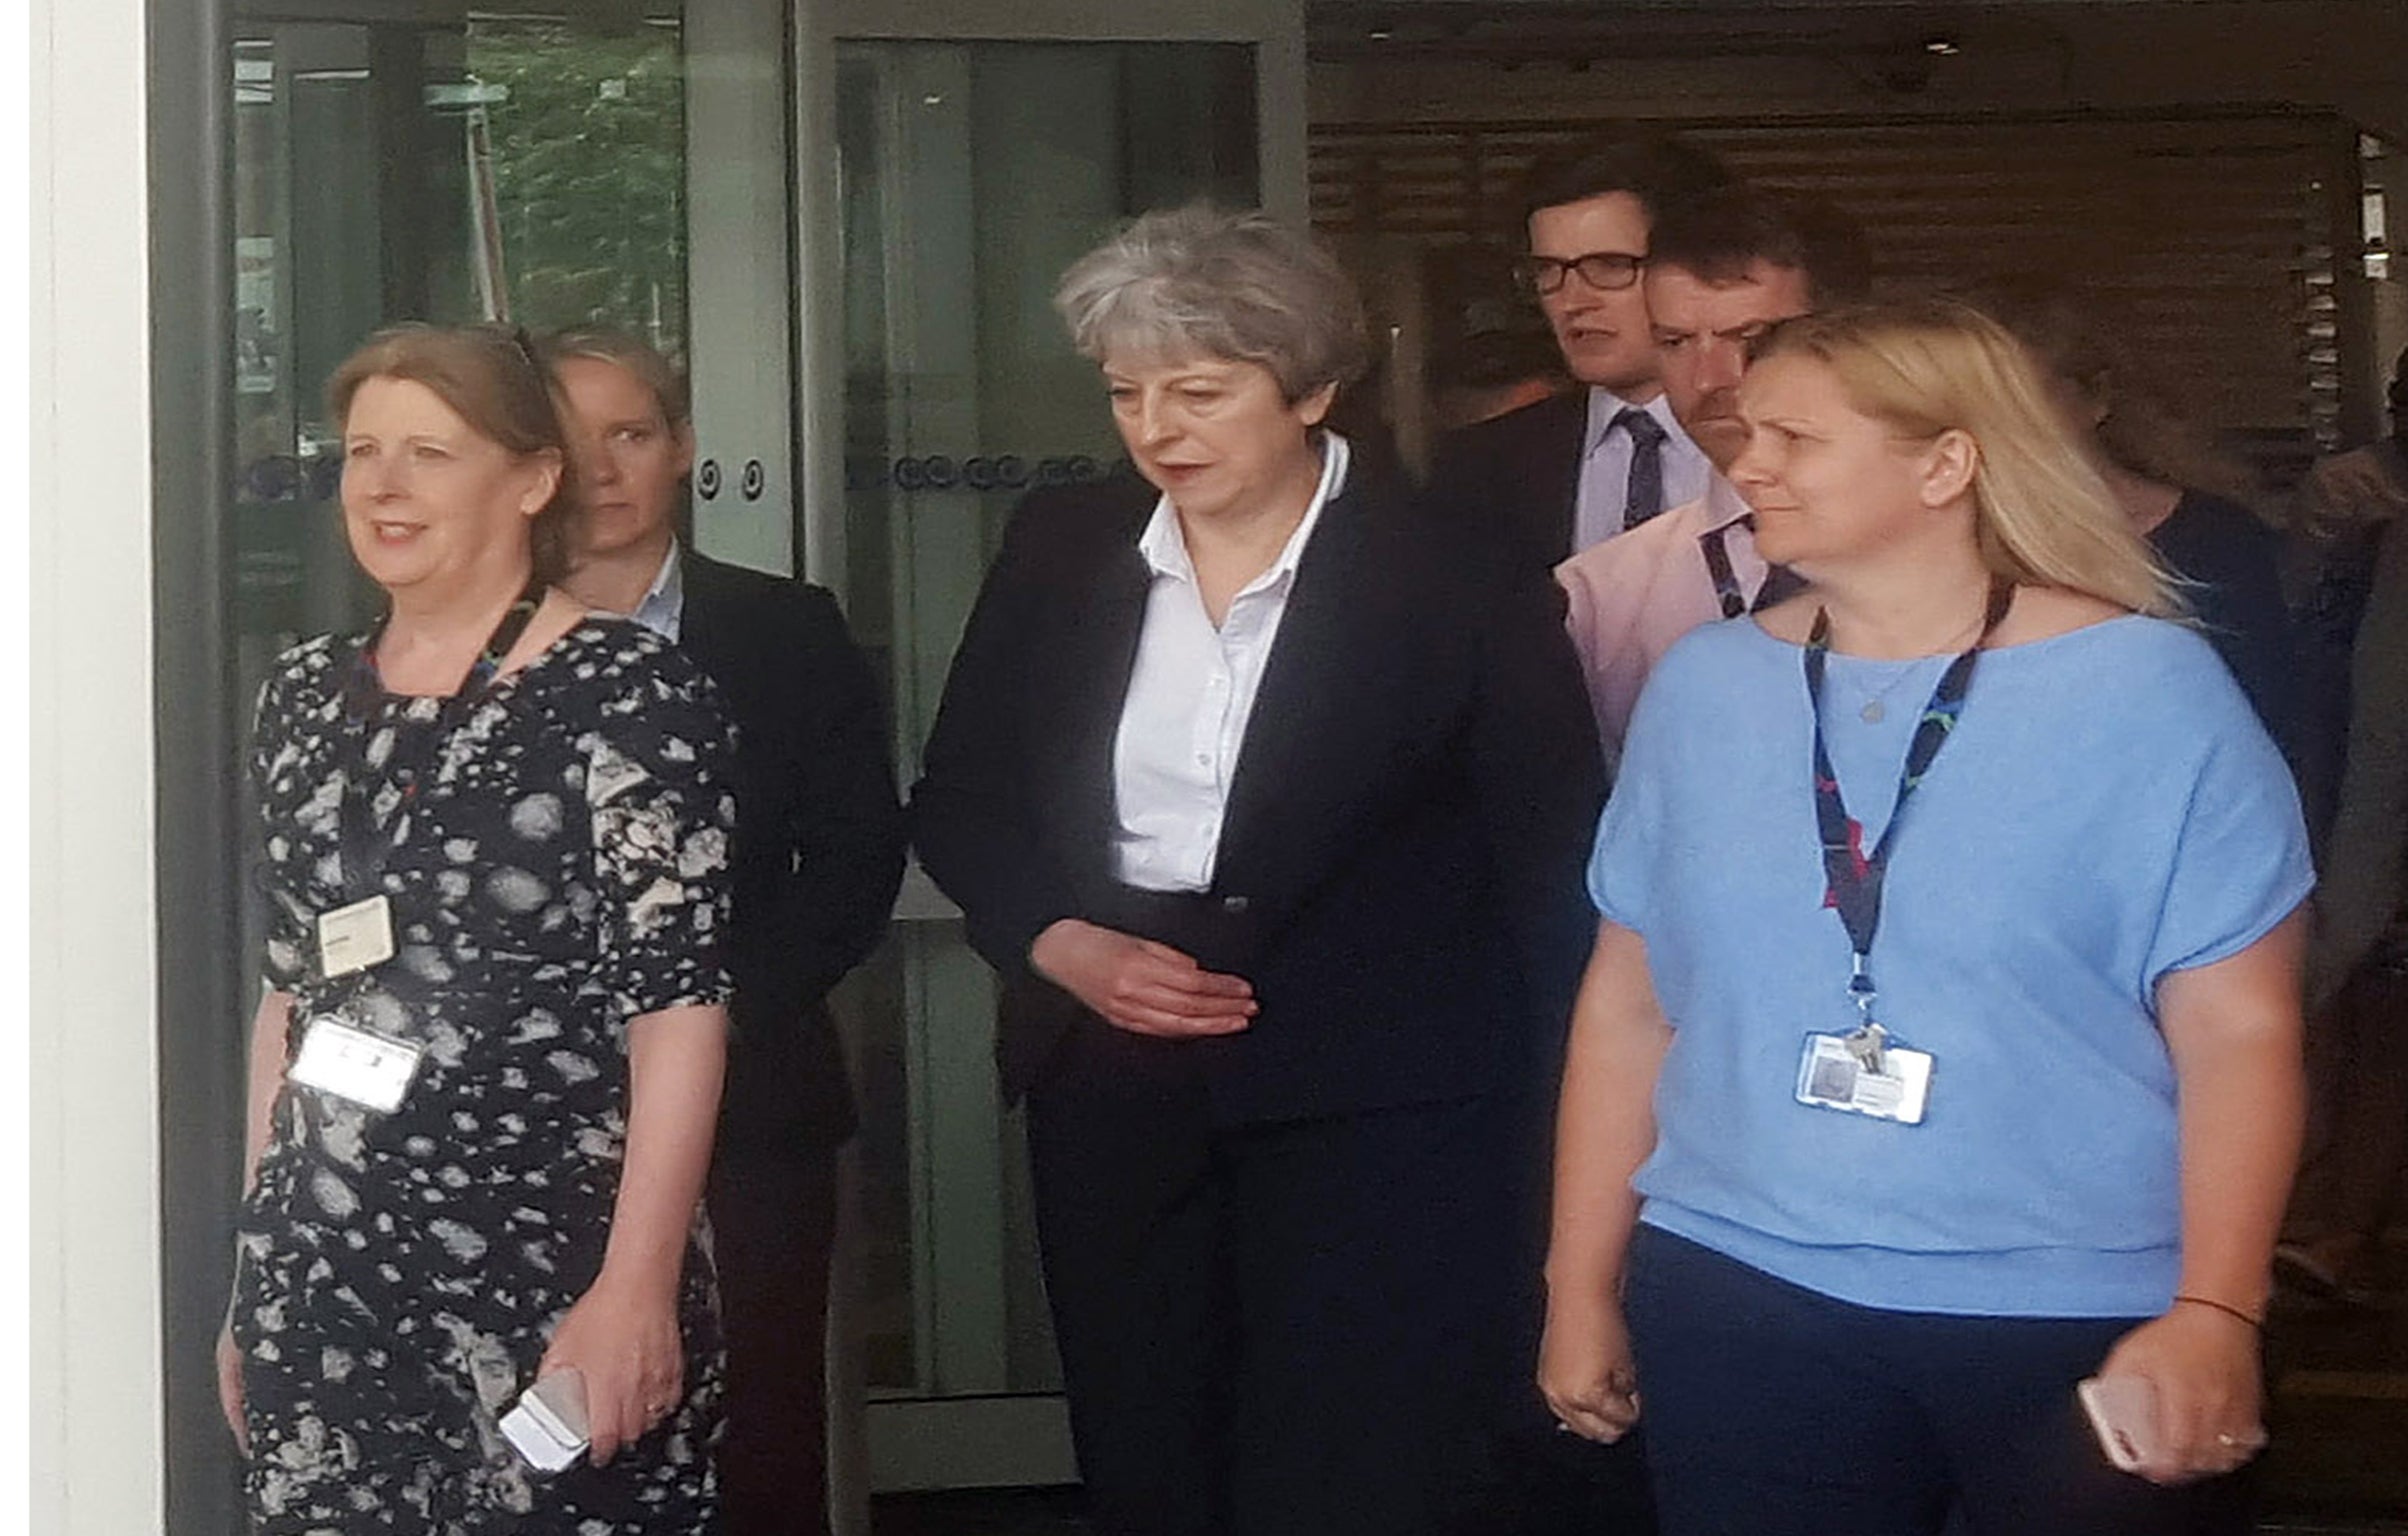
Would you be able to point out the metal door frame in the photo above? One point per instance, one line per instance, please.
(995, 1440)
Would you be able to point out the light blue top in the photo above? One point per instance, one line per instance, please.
(2107, 811)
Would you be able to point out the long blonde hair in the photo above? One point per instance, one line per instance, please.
(2043, 515)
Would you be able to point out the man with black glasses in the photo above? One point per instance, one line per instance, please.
(1575, 470)
(1726, 267)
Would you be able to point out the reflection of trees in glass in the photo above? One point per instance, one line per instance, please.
(589, 170)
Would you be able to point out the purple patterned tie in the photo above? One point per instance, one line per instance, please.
(1646, 495)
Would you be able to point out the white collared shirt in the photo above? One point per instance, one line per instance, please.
(1629, 598)
(1605, 467)
(1190, 696)
(663, 610)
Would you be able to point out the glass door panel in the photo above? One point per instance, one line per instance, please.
(970, 174)
(395, 161)
(451, 168)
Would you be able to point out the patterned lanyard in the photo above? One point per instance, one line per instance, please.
(364, 852)
(1852, 878)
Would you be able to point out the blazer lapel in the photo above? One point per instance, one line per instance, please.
(1302, 733)
(698, 621)
(1099, 648)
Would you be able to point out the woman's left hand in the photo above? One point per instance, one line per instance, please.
(624, 1340)
(2204, 1364)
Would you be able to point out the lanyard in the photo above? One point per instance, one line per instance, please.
(1852, 878)
(364, 850)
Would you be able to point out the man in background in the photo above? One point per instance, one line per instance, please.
(1725, 268)
(1581, 467)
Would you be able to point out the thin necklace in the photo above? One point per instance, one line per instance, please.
(1875, 709)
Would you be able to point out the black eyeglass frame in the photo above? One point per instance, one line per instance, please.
(1605, 271)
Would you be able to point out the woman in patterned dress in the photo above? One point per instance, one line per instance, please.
(486, 1066)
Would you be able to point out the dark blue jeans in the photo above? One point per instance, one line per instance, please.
(1772, 1410)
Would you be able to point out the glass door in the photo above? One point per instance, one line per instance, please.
(968, 170)
(584, 161)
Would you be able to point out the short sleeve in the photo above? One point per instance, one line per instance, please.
(1623, 864)
(659, 785)
(2240, 863)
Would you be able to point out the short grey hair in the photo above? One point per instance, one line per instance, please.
(1201, 281)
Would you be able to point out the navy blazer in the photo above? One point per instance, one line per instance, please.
(819, 842)
(1407, 830)
(1516, 477)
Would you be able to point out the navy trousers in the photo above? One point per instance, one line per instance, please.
(1297, 1329)
(1772, 1410)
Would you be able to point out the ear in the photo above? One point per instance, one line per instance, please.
(681, 448)
(1313, 407)
(544, 483)
(1949, 465)
(2098, 396)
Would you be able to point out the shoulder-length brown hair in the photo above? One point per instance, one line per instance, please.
(489, 376)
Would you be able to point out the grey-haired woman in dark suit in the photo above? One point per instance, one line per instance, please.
(1266, 799)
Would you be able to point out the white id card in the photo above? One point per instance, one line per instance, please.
(355, 937)
(352, 1063)
(1832, 1075)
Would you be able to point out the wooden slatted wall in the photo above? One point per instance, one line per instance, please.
(2211, 239)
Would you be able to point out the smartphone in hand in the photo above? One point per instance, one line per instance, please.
(2123, 1414)
(548, 1424)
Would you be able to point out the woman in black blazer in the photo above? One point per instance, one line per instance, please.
(818, 856)
(1267, 800)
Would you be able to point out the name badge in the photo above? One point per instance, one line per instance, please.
(355, 1064)
(355, 937)
(1864, 1074)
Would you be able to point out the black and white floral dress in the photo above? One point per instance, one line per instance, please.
(561, 868)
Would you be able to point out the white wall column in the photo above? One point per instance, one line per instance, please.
(96, 1382)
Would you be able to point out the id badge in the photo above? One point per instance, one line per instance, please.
(1834, 1074)
(355, 1064)
(355, 937)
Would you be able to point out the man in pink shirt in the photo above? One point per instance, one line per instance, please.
(1720, 272)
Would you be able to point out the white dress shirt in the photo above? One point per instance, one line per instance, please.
(1630, 597)
(1605, 467)
(1190, 696)
(663, 609)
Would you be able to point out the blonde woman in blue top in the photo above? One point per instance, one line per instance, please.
(1940, 1046)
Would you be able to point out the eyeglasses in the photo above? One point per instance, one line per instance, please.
(1606, 270)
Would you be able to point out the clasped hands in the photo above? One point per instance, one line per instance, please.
(1141, 986)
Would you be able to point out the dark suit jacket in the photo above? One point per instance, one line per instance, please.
(1413, 807)
(1516, 475)
(819, 843)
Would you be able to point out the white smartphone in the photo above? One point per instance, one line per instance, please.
(2123, 1414)
(548, 1424)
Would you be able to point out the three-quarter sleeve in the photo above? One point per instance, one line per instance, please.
(659, 791)
(974, 816)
